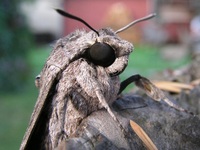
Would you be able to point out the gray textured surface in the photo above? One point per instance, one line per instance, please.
(167, 127)
(71, 87)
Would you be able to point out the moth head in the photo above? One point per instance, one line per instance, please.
(101, 54)
(108, 50)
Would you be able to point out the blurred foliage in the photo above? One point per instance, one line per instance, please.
(15, 41)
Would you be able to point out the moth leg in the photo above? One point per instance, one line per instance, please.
(128, 81)
(37, 81)
(150, 89)
(106, 106)
(143, 83)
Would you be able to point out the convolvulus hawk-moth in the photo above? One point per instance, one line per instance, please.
(80, 76)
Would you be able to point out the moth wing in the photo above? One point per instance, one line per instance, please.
(64, 52)
(41, 109)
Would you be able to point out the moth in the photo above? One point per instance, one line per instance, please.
(80, 76)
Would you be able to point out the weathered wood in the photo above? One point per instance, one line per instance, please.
(167, 127)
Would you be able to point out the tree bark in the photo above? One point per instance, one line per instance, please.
(167, 127)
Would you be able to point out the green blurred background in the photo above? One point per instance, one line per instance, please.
(22, 56)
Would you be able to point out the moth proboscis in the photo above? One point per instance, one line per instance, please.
(80, 76)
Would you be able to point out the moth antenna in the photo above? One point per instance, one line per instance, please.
(63, 13)
(134, 22)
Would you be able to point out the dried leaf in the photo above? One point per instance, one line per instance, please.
(175, 87)
(156, 94)
(167, 87)
(143, 136)
(195, 82)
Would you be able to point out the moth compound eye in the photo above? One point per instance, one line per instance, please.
(101, 54)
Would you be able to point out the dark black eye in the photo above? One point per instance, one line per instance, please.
(101, 54)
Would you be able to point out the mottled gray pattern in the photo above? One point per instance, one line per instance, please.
(71, 88)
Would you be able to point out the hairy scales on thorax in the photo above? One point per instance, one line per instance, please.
(75, 80)
(75, 97)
